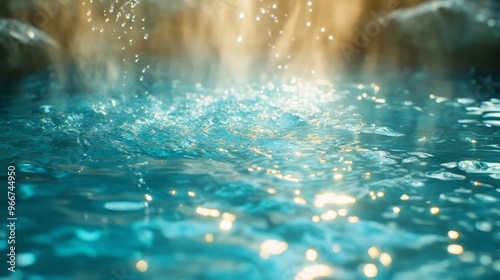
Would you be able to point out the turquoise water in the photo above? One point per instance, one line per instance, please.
(281, 180)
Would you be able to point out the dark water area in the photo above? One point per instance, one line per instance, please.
(348, 178)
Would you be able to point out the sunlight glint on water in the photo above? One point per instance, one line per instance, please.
(288, 180)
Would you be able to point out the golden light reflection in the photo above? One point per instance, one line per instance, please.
(229, 217)
(173, 192)
(291, 178)
(209, 237)
(353, 219)
(207, 212)
(370, 270)
(257, 151)
(329, 215)
(405, 197)
(373, 252)
(191, 194)
(396, 210)
(311, 255)
(272, 247)
(299, 200)
(315, 219)
(148, 197)
(225, 225)
(342, 212)
(453, 234)
(385, 259)
(271, 191)
(141, 266)
(314, 271)
(455, 249)
(338, 176)
(435, 210)
(287, 177)
(333, 198)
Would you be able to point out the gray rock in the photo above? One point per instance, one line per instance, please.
(24, 49)
(439, 34)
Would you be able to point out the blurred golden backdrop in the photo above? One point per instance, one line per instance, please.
(286, 38)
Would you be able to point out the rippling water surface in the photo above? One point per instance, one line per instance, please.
(262, 181)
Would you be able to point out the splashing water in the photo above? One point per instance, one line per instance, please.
(300, 38)
(262, 181)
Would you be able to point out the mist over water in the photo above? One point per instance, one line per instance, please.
(224, 39)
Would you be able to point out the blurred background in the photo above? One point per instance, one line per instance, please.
(232, 39)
